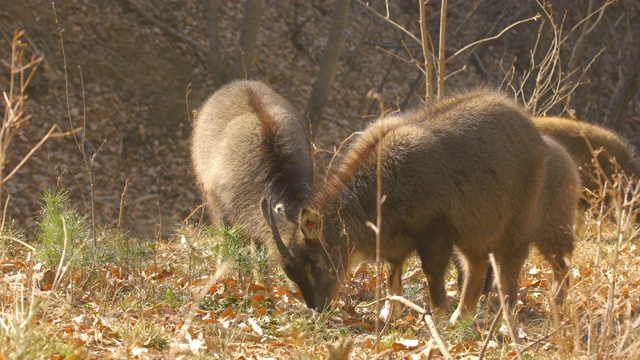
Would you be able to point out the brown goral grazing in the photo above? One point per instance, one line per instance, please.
(558, 209)
(465, 172)
(553, 234)
(248, 143)
(614, 154)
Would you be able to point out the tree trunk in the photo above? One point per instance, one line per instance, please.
(243, 60)
(215, 58)
(322, 86)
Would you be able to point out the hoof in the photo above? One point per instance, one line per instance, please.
(455, 317)
(458, 315)
(390, 311)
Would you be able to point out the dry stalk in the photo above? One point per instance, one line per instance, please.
(189, 317)
(605, 340)
(599, 11)
(428, 320)
(81, 144)
(336, 152)
(31, 152)
(482, 41)
(186, 101)
(14, 239)
(505, 308)
(385, 353)
(424, 35)
(428, 347)
(426, 316)
(4, 214)
(59, 272)
(555, 311)
(441, 48)
(412, 59)
(492, 329)
(124, 193)
(14, 117)
(627, 330)
(192, 213)
(574, 315)
(376, 228)
(379, 200)
(538, 341)
(596, 270)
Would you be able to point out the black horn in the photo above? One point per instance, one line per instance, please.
(287, 257)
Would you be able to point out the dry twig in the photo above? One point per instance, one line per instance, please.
(505, 308)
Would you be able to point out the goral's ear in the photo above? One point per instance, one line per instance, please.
(310, 224)
(277, 211)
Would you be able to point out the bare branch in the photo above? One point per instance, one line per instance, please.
(387, 19)
(481, 41)
(200, 51)
(33, 150)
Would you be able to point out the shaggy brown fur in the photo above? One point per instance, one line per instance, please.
(247, 144)
(465, 172)
(558, 204)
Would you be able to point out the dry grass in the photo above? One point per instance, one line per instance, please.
(142, 305)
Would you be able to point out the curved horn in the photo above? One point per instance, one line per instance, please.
(282, 248)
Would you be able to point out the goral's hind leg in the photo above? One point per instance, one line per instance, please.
(473, 285)
(557, 251)
(510, 263)
(560, 264)
(458, 261)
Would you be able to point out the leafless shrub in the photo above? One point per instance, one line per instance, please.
(14, 99)
(548, 83)
(429, 59)
(605, 311)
